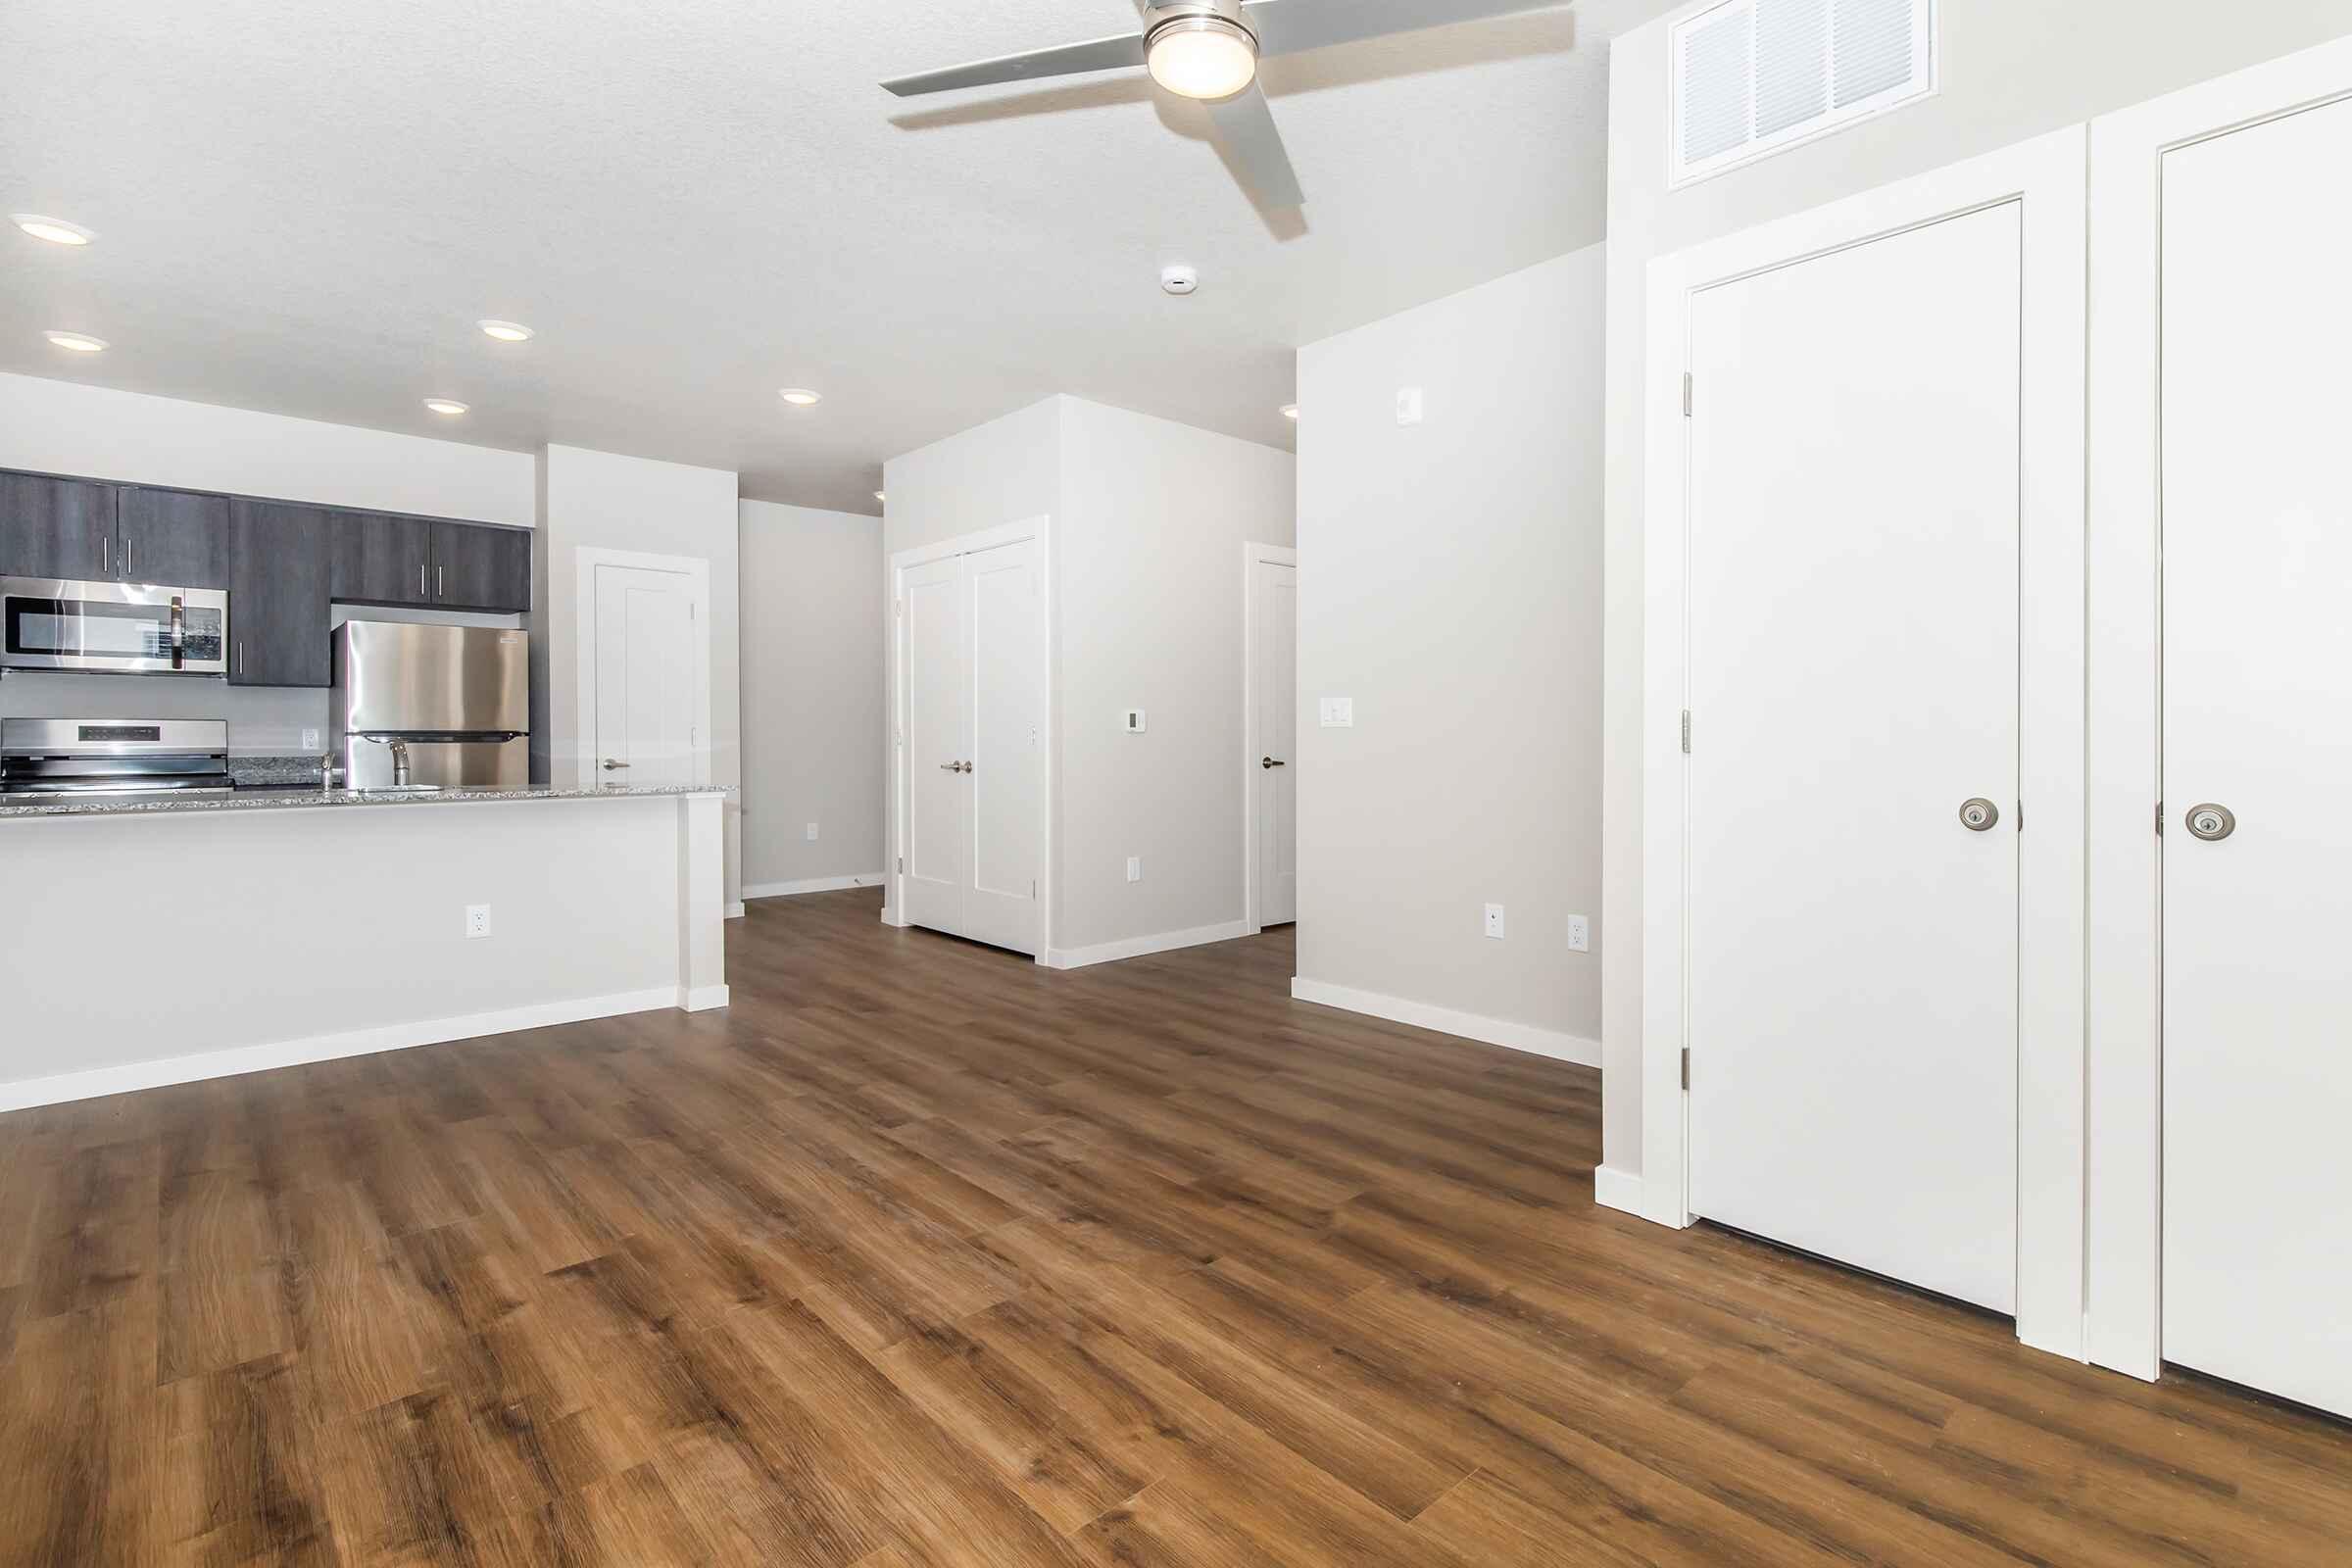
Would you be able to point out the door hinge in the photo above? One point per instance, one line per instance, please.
(902, 866)
(2021, 816)
(1685, 1066)
(1687, 394)
(897, 606)
(1686, 732)
(1032, 889)
(2160, 819)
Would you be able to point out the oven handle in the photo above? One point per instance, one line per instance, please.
(179, 633)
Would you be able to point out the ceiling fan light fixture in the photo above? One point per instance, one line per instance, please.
(1201, 55)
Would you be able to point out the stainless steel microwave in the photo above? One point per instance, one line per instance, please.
(113, 628)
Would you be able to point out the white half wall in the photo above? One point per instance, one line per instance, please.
(604, 501)
(1449, 585)
(814, 720)
(2009, 69)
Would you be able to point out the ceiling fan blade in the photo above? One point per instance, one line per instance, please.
(1070, 59)
(1244, 125)
(1285, 26)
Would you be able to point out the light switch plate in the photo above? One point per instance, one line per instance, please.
(1338, 713)
(813, 832)
(1135, 868)
(1408, 405)
(1494, 921)
(1579, 934)
(1132, 720)
(478, 922)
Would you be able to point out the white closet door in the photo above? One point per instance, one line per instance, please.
(645, 678)
(1274, 667)
(1852, 951)
(1006, 782)
(2257, 332)
(937, 687)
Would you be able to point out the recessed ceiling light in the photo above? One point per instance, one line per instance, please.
(507, 331)
(1290, 411)
(445, 405)
(799, 397)
(79, 342)
(56, 230)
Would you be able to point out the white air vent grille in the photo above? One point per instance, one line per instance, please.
(1754, 75)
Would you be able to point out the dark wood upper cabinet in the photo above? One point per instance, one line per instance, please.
(281, 558)
(173, 537)
(478, 568)
(383, 559)
(57, 528)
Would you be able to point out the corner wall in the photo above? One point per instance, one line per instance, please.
(1450, 584)
(815, 721)
(601, 499)
(2009, 69)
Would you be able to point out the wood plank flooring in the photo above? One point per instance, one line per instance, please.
(922, 1256)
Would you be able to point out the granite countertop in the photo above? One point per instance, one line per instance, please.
(297, 798)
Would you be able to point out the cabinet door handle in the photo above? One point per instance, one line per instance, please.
(240, 656)
(420, 579)
(440, 583)
(128, 571)
(106, 555)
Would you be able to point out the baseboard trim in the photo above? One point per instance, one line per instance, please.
(1139, 947)
(1525, 1037)
(236, 1061)
(1618, 1189)
(814, 884)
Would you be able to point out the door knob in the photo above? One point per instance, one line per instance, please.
(2211, 823)
(1268, 762)
(612, 764)
(1978, 816)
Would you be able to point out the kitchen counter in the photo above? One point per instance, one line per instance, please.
(300, 798)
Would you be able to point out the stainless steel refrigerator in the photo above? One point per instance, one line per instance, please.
(433, 706)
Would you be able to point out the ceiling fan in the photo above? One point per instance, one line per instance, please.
(1210, 49)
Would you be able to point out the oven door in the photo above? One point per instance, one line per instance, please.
(119, 628)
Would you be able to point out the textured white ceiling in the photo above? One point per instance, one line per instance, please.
(304, 207)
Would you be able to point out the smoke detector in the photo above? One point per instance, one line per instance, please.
(1179, 279)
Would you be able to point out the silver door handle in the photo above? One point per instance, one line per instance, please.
(240, 656)
(1979, 814)
(106, 553)
(951, 768)
(420, 579)
(611, 764)
(179, 630)
(440, 583)
(1269, 761)
(128, 571)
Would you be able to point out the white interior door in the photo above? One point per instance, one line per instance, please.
(646, 697)
(1852, 947)
(937, 685)
(1274, 671)
(1005, 780)
(2257, 499)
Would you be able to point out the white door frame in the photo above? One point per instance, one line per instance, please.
(2046, 176)
(1253, 743)
(2126, 1195)
(696, 572)
(894, 631)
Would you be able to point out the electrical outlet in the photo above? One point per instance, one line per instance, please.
(1135, 868)
(1409, 405)
(1579, 934)
(309, 740)
(1494, 921)
(1131, 720)
(478, 922)
(1336, 712)
(813, 832)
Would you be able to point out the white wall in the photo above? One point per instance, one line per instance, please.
(815, 722)
(95, 432)
(1149, 516)
(603, 501)
(1449, 585)
(2011, 69)
(593, 913)
(1148, 600)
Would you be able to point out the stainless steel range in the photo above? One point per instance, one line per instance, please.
(113, 755)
